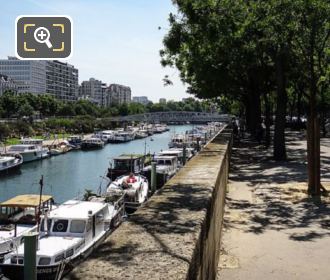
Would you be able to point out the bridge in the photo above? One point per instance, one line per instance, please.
(174, 117)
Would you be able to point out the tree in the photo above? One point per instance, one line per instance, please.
(25, 110)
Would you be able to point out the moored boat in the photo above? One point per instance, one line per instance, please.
(19, 215)
(75, 141)
(30, 149)
(125, 164)
(166, 167)
(10, 163)
(68, 234)
(134, 187)
(92, 143)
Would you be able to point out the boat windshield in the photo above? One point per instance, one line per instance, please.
(77, 226)
(122, 164)
(60, 226)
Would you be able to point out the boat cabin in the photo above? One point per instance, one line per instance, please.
(126, 163)
(24, 209)
(37, 142)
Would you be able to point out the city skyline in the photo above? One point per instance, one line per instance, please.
(128, 51)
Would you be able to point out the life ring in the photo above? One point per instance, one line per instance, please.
(59, 226)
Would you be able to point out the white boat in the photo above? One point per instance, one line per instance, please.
(122, 137)
(10, 162)
(19, 215)
(178, 152)
(67, 235)
(141, 134)
(177, 141)
(30, 149)
(107, 135)
(60, 148)
(135, 187)
(166, 167)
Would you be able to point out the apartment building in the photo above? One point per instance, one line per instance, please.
(29, 75)
(117, 94)
(56, 78)
(92, 90)
(141, 99)
(62, 80)
(7, 84)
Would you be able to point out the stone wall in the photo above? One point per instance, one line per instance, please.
(176, 235)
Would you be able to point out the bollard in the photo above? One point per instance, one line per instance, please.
(205, 135)
(184, 154)
(153, 177)
(30, 255)
(198, 146)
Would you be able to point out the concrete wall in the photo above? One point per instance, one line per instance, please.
(176, 235)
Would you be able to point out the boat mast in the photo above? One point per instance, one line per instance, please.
(41, 184)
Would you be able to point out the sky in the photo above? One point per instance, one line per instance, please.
(116, 41)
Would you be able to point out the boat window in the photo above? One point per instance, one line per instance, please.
(44, 261)
(77, 226)
(89, 225)
(59, 257)
(168, 162)
(17, 260)
(42, 224)
(60, 226)
(69, 253)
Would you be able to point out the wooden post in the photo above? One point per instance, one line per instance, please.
(30, 255)
(184, 154)
(153, 177)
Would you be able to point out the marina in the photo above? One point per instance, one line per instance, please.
(72, 230)
(68, 175)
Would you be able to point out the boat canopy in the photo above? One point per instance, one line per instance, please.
(129, 157)
(26, 200)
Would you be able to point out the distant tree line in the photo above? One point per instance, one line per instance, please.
(40, 114)
(28, 105)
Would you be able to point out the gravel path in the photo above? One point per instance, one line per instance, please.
(272, 229)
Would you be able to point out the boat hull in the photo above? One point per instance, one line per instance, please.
(16, 272)
(36, 155)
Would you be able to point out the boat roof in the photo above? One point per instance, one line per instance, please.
(129, 156)
(76, 209)
(165, 157)
(170, 152)
(26, 200)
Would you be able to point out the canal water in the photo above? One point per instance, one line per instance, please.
(67, 176)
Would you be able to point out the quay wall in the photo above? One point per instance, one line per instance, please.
(176, 234)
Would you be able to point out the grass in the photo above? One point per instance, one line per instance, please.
(15, 141)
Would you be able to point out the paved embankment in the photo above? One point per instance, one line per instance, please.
(272, 230)
(176, 235)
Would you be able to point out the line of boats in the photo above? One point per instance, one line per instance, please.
(69, 232)
(34, 149)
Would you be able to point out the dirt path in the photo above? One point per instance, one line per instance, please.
(272, 229)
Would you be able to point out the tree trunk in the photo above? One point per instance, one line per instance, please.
(254, 110)
(267, 119)
(313, 132)
(281, 103)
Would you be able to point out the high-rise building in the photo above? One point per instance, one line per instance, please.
(162, 100)
(42, 77)
(92, 89)
(62, 80)
(117, 94)
(7, 84)
(29, 75)
(141, 99)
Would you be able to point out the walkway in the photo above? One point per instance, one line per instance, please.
(272, 230)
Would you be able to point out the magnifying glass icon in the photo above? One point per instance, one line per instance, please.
(41, 35)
